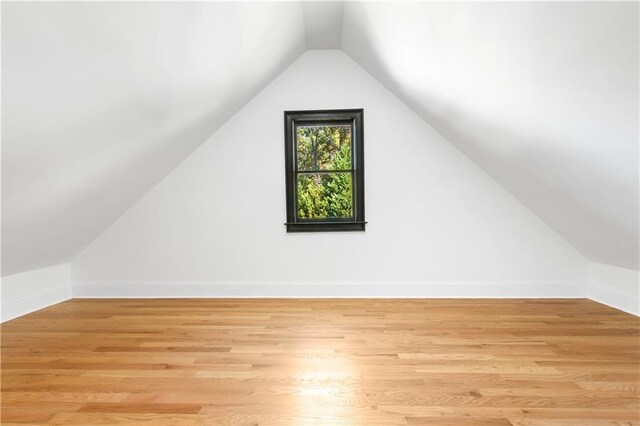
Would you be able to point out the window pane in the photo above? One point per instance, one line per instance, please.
(323, 147)
(325, 195)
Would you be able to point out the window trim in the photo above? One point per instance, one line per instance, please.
(354, 117)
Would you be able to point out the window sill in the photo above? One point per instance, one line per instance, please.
(325, 226)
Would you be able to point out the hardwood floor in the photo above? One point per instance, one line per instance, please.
(329, 362)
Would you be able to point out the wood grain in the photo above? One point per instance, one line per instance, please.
(327, 362)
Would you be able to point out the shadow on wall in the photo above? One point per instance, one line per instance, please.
(532, 170)
(90, 196)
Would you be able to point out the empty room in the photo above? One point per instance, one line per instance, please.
(320, 213)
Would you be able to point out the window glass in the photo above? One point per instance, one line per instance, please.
(325, 195)
(323, 147)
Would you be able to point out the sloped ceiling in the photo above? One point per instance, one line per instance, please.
(101, 100)
(323, 24)
(542, 95)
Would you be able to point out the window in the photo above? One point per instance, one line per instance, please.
(324, 170)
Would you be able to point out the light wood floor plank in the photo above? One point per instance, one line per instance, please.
(322, 361)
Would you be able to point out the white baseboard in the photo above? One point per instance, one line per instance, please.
(328, 290)
(30, 291)
(26, 304)
(616, 287)
(612, 297)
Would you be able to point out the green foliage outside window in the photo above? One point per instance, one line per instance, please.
(327, 194)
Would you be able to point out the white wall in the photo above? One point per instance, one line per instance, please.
(438, 225)
(614, 286)
(29, 291)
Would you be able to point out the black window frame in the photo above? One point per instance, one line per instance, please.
(293, 119)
